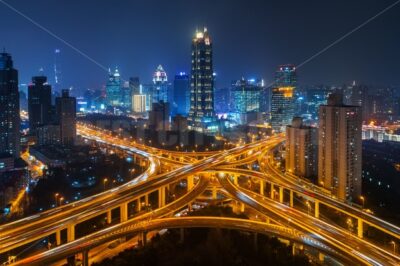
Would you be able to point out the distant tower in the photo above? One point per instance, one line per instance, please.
(113, 89)
(340, 147)
(282, 98)
(161, 88)
(181, 102)
(66, 116)
(39, 103)
(9, 107)
(57, 70)
(201, 115)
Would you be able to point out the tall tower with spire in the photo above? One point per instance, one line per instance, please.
(161, 88)
(201, 115)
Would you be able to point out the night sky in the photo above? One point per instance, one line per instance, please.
(251, 37)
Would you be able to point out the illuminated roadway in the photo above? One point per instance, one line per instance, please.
(325, 236)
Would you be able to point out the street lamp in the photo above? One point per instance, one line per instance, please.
(61, 200)
(56, 197)
(104, 183)
(394, 246)
(362, 198)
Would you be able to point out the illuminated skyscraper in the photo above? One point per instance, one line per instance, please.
(339, 148)
(246, 97)
(113, 89)
(161, 86)
(181, 103)
(9, 107)
(201, 115)
(39, 103)
(283, 98)
(301, 149)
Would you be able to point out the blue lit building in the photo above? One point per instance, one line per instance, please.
(161, 86)
(246, 98)
(113, 89)
(181, 95)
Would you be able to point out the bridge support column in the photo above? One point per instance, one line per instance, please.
(144, 238)
(161, 197)
(190, 182)
(85, 258)
(267, 220)
(360, 230)
(138, 205)
(214, 192)
(58, 237)
(146, 200)
(70, 232)
(321, 257)
(241, 207)
(272, 191)
(316, 207)
(124, 212)
(109, 217)
(281, 194)
(291, 198)
(294, 249)
(262, 187)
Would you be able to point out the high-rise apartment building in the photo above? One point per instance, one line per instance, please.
(66, 116)
(339, 148)
(9, 107)
(283, 97)
(301, 149)
(201, 115)
(39, 103)
(139, 103)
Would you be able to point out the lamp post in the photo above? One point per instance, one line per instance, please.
(362, 198)
(104, 183)
(61, 200)
(394, 246)
(56, 197)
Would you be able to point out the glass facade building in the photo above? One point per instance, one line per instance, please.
(283, 97)
(181, 103)
(246, 97)
(113, 89)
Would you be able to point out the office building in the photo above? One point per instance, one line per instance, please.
(283, 97)
(160, 86)
(126, 96)
(66, 117)
(179, 123)
(159, 116)
(113, 89)
(201, 115)
(301, 149)
(39, 103)
(181, 95)
(139, 103)
(245, 98)
(9, 107)
(339, 148)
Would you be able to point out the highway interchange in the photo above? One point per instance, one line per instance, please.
(207, 169)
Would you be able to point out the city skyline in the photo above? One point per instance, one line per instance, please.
(132, 48)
